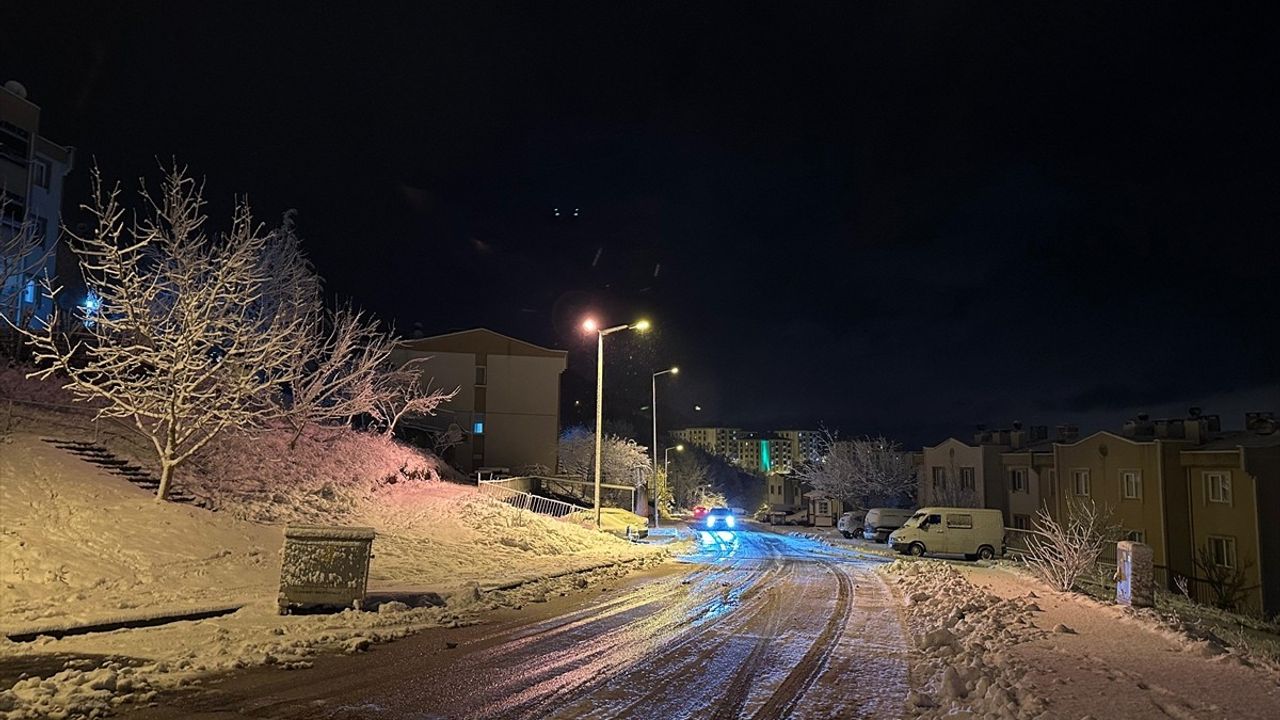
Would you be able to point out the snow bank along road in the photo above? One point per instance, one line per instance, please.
(752, 625)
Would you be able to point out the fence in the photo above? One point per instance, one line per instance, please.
(1198, 589)
(499, 489)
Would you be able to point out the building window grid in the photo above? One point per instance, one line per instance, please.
(1222, 551)
(1131, 484)
(1080, 482)
(1219, 487)
(1018, 480)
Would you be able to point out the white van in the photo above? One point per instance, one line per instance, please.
(971, 532)
(882, 521)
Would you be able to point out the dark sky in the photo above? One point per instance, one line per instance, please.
(898, 217)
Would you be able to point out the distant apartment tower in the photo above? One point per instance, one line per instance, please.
(508, 401)
(805, 444)
(32, 169)
(764, 453)
(720, 441)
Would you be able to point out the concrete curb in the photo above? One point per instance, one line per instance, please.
(120, 622)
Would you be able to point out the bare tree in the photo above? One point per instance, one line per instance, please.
(950, 487)
(1229, 584)
(862, 473)
(184, 344)
(1060, 553)
(400, 392)
(622, 462)
(337, 374)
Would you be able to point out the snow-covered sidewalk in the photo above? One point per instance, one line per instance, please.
(990, 640)
(81, 545)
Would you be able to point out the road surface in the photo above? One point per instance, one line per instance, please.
(752, 625)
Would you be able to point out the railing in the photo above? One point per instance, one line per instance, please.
(498, 489)
(1198, 589)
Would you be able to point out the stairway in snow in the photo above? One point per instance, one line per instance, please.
(97, 455)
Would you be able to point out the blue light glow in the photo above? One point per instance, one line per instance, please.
(477, 428)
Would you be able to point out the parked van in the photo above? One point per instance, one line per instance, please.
(971, 532)
(882, 521)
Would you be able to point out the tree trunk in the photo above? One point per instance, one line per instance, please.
(166, 477)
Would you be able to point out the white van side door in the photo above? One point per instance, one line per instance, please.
(960, 533)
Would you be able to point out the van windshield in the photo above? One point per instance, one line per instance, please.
(914, 520)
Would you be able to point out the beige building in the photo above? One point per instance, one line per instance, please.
(1233, 483)
(960, 474)
(1030, 475)
(32, 168)
(722, 441)
(508, 401)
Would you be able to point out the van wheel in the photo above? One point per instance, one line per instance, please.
(916, 549)
(986, 552)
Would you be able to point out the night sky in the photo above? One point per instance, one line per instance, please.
(898, 217)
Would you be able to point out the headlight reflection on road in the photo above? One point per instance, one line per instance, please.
(720, 542)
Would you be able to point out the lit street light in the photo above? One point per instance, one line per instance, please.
(590, 325)
(666, 476)
(653, 408)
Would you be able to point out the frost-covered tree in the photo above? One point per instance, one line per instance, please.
(338, 374)
(190, 333)
(400, 391)
(862, 473)
(1061, 552)
(622, 462)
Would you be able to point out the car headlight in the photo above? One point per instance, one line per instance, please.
(728, 521)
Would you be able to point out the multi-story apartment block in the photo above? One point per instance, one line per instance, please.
(764, 453)
(1030, 475)
(722, 441)
(32, 169)
(805, 444)
(508, 401)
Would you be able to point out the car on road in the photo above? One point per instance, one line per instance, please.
(850, 523)
(879, 522)
(720, 518)
(699, 512)
(971, 532)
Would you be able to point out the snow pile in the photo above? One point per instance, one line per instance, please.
(961, 666)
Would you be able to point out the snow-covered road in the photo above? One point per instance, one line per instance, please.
(752, 625)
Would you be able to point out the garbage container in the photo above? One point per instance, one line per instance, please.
(324, 566)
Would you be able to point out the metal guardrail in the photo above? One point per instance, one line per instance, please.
(498, 490)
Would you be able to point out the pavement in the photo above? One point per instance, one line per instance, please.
(748, 624)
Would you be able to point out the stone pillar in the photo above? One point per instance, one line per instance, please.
(1135, 582)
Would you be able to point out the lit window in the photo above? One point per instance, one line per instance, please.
(477, 424)
(1080, 482)
(1131, 484)
(1222, 551)
(1219, 487)
(29, 292)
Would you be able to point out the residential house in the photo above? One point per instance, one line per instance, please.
(1030, 476)
(32, 169)
(508, 401)
(1233, 482)
(957, 473)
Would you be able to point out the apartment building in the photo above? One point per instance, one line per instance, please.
(806, 446)
(764, 454)
(32, 169)
(1030, 475)
(1233, 487)
(722, 441)
(508, 401)
(963, 474)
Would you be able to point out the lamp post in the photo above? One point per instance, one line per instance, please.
(666, 476)
(653, 410)
(590, 325)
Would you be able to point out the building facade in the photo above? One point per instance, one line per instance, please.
(722, 441)
(960, 474)
(508, 402)
(806, 446)
(32, 169)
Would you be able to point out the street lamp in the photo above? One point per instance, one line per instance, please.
(653, 408)
(666, 477)
(590, 325)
